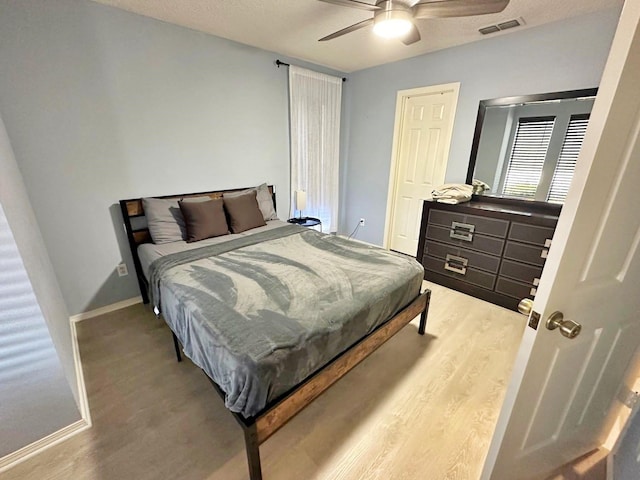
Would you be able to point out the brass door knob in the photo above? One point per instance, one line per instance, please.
(525, 306)
(568, 328)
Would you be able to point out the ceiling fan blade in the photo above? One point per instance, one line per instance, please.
(412, 37)
(457, 8)
(344, 31)
(353, 4)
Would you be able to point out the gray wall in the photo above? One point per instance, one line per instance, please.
(101, 105)
(559, 56)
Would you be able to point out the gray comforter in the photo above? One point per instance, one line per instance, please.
(260, 314)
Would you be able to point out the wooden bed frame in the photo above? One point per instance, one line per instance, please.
(277, 413)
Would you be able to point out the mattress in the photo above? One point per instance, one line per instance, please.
(262, 312)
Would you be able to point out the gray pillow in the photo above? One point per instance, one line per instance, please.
(164, 220)
(265, 201)
(243, 212)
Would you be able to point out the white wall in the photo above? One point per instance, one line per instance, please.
(566, 55)
(35, 398)
(38, 389)
(21, 219)
(101, 105)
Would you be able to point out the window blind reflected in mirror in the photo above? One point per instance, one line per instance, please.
(528, 154)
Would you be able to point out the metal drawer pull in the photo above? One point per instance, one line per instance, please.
(462, 231)
(456, 264)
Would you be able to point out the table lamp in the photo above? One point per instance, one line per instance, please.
(301, 201)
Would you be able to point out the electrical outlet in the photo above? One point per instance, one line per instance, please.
(362, 222)
(122, 270)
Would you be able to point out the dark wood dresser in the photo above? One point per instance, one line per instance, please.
(491, 248)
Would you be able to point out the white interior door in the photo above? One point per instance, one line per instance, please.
(562, 389)
(424, 123)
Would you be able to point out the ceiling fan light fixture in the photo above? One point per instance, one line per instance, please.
(392, 23)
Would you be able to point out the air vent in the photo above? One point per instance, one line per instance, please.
(509, 24)
(501, 26)
(488, 30)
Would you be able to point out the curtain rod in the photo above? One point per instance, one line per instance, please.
(278, 63)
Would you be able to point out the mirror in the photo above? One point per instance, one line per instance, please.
(526, 147)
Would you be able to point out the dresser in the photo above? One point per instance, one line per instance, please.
(491, 248)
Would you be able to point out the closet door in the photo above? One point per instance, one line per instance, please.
(424, 125)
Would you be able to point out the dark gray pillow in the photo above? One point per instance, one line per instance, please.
(164, 220)
(265, 201)
(243, 212)
(204, 219)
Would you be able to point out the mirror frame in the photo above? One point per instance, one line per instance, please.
(504, 101)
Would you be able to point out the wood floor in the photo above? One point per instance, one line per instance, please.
(418, 408)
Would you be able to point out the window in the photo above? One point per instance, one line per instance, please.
(528, 155)
(315, 101)
(568, 156)
(544, 151)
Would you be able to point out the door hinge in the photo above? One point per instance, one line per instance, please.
(628, 397)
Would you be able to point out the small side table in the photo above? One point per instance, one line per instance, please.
(306, 222)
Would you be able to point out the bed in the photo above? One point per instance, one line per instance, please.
(276, 314)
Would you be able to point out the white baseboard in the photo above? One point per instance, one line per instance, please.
(83, 399)
(38, 446)
(106, 309)
(14, 458)
(82, 389)
(360, 241)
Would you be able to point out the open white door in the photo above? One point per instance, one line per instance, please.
(561, 389)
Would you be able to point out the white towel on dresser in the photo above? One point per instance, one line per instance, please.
(452, 193)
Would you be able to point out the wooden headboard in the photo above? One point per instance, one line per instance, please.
(135, 223)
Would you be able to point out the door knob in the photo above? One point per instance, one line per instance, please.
(525, 306)
(568, 328)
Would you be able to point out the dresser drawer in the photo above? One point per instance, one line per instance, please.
(491, 245)
(470, 275)
(514, 289)
(520, 271)
(474, 259)
(525, 253)
(481, 225)
(523, 232)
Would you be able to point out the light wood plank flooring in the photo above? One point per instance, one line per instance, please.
(418, 408)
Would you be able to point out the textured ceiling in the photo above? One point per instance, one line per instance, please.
(293, 27)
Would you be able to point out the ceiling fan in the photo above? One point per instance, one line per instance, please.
(397, 18)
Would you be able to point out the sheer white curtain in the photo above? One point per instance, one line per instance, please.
(314, 110)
